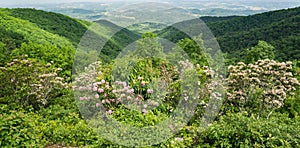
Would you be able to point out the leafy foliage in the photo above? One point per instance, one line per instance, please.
(19, 128)
(54, 23)
(11, 39)
(30, 83)
(261, 51)
(238, 130)
(61, 57)
(195, 50)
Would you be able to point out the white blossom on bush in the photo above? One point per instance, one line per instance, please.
(31, 83)
(268, 81)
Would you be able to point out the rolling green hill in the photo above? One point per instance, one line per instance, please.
(54, 23)
(43, 34)
(146, 27)
(121, 38)
(30, 31)
(209, 19)
(280, 28)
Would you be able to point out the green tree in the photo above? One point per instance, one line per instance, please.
(262, 50)
(196, 50)
(4, 55)
(148, 46)
(45, 53)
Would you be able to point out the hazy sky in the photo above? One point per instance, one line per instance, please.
(4, 3)
(12, 2)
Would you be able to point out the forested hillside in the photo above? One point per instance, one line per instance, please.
(209, 19)
(30, 30)
(235, 34)
(55, 35)
(54, 23)
(38, 41)
(117, 42)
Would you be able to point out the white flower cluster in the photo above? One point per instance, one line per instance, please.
(183, 65)
(88, 76)
(274, 80)
(32, 83)
(47, 86)
(89, 90)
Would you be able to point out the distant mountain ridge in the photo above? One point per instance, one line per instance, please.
(281, 28)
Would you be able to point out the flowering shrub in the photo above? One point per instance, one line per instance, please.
(152, 84)
(30, 83)
(261, 86)
(149, 96)
(134, 94)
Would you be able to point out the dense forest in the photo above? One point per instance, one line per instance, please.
(237, 33)
(45, 102)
